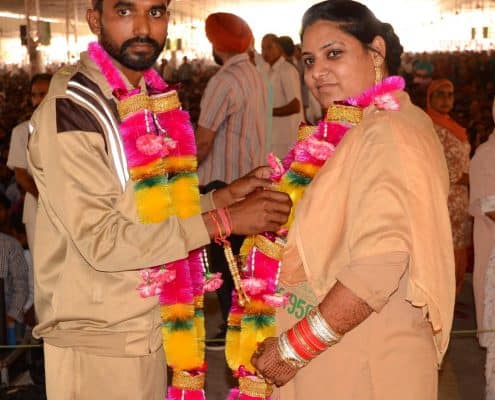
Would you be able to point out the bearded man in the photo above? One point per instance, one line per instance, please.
(101, 151)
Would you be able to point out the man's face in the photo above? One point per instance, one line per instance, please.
(133, 32)
(39, 90)
(270, 50)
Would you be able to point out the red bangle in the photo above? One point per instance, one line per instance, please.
(301, 350)
(313, 341)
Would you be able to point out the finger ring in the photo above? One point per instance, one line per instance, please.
(268, 381)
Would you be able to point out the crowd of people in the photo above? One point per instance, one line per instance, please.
(243, 111)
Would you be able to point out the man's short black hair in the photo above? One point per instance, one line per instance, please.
(41, 78)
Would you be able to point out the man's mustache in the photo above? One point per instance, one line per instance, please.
(139, 40)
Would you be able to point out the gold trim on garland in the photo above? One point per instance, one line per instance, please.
(346, 114)
(255, 387)
(162, 103)
(271, 249)
(305, 132)
(185, 381)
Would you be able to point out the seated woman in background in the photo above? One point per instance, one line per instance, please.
(439, 103)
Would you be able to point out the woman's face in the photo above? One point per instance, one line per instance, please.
(336, 64)
(442, 99)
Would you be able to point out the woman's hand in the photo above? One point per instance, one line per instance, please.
(240, 188)
(270, 366)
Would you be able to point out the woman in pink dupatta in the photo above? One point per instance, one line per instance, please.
(482, 208)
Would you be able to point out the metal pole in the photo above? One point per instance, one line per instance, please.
(67, 28)
(76, 17)
(38, 18)
(29, 40)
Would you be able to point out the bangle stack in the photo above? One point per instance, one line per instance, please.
(222, 222)
(307, 339)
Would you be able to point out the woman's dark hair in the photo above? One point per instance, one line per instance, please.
(98, 5)
(359, 21)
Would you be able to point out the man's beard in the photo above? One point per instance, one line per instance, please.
(137, 61)
(217, 59)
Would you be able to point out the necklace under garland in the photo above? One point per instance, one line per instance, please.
(160, 150)
(254, 321)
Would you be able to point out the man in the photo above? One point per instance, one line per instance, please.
(14, 271)
(185, 72)
(102, 341)
(231, 127)
(17, 162)
(287, 103)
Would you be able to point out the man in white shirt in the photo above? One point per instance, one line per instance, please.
(17, 161)
(287, 102)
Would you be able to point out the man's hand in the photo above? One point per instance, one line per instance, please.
(269, 365)
(240, 188)
(262, 210)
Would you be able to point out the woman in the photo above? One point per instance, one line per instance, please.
(439, 103)
(482, 208)
(370, 244)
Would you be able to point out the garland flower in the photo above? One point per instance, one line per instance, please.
(250, 324)
(159, 145)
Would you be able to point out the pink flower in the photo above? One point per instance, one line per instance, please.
(146, 274)
(278, 168)
(170, 143)
(275, 300)
(282, 232)
(387, 102)
(148, 289)
(213, 281)
(319, 149)
(253, 286)
(149, 144)
(163, 275)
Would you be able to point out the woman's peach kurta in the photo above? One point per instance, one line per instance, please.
(375, 218)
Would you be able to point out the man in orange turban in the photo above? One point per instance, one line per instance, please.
(228, 33)
(232, 126)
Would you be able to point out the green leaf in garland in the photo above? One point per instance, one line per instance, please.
(179, 325)
(297, 179)
(259, 320)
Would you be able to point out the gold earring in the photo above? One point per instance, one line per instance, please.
(378, 69)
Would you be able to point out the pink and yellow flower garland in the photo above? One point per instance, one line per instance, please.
(251, 324)
(160, 149)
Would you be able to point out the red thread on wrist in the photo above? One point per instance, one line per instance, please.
(227, 225)
(219, 236)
